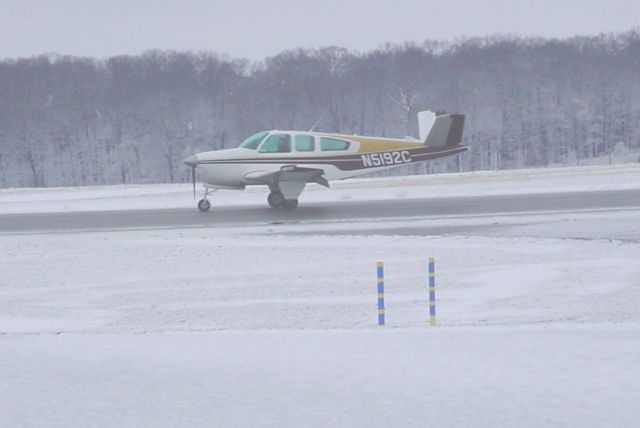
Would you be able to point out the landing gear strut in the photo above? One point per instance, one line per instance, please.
(204, 204)
(277, 200)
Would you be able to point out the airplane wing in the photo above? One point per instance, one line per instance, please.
(290, 180)
(288, 173)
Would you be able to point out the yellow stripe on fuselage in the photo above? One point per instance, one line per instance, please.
(371, 145)
(375, 144)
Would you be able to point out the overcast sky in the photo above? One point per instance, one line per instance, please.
(255, 29)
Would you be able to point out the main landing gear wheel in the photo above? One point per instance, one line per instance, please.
(204, 205)
(275, 199)
(290, 204)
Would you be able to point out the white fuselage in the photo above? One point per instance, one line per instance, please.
(238, 174)
(333, 156)
(286, 161)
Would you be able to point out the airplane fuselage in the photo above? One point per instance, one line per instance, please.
(287, 160)
(236, 168)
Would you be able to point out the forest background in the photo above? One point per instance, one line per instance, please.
(530, 102)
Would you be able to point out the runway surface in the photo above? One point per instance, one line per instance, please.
(319, 212)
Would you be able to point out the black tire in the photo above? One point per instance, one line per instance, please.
(275, 199)
(290, 204)
(204, 205)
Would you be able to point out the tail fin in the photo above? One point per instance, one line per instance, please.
(440, 129)
(425, 123)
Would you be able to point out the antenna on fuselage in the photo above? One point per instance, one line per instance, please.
(316, 124)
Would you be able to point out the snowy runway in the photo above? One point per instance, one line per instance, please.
(273, 323)
(324, 212)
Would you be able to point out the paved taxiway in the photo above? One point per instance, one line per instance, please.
(319, 212)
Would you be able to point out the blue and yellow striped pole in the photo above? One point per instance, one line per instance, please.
(432, 291)
(380, 272)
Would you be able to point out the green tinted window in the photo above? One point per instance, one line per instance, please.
(254, 141)
(305, 143)
(327, 144)
(277, 143)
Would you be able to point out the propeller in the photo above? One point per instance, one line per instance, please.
(193, 179)
(192, 161)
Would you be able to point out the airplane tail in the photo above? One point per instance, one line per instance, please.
(440, 129)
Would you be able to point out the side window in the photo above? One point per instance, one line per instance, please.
(277, 143)
(327, 144)
(305, 143)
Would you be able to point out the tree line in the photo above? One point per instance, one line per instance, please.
(67, 121)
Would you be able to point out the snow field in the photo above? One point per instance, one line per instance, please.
(275, 325)
(215, 279)
(508, 377)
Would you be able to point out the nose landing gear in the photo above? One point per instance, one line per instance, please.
(203, 204)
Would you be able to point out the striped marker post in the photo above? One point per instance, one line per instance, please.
(432, 292)
(380, 272)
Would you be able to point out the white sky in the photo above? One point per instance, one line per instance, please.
(255, 29)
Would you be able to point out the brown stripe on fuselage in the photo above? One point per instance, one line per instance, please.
(348, 162)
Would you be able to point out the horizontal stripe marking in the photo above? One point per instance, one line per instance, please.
(312, 161)
(337, 158)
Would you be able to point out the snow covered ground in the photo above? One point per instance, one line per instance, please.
(465, 377)
(275, 325)
(525, 181)
(306, 277)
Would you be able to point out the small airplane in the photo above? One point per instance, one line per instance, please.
(287, 160)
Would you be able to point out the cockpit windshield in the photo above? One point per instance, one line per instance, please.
(254, 141)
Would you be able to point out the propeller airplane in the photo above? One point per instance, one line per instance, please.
(286, 161)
